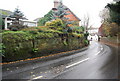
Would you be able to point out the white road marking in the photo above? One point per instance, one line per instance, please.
(101, 47)
(38, 77)
(98, 53)
(77, 63)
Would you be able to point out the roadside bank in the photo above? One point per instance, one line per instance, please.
(53, 56)
(110, 41)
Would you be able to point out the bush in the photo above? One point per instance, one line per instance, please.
(13, 37)
(86, 42)
(26, 44)
(16, 27)
(2, 49)
(45, 19)
(110, 29)
(77, 29)
(55, 24)
(78, 35)
(21, 36)
(2, 26)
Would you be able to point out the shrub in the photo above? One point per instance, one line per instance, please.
(21, 36)
(56, 24)
(13, 37)
(2, 49)
(34, 50)
(86, 42)
(110, 29)
(16, 27)
(78, 35)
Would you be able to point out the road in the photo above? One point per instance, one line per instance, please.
(99, 61)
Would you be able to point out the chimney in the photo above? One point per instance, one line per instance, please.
(57, 3)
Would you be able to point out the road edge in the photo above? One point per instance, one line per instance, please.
(109, 43)
(55, 56)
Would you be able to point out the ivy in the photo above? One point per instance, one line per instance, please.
(2, 49)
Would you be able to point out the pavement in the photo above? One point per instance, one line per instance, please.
(99, 61)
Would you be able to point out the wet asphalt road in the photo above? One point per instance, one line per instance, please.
(99, 61)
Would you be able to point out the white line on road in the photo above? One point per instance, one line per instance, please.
(77, 63)
(38, 77)
(101, 47)
(98, 53)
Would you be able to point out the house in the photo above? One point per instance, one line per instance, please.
(93, 31)
(71, 16)
(8, 22)
(5, 16)
(29, 23)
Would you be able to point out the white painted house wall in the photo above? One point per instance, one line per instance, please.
(93, 31)
(30, 23)
(25, 22)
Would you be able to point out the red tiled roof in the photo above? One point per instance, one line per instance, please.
(71, 16)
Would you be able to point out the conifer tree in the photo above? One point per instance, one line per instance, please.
(17, 16)
(60, 13)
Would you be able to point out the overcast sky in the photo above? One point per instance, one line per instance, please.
(33, 9)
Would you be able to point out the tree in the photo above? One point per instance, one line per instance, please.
(46, 18)
(17, 16)
(114, 9)
(1, 23)
(110, 29)
(55, 24)
(60, 13)
(104, 15)
(111, 19)
(85, 22)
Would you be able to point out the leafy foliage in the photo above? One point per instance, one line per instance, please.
(78, 29)
(114, 12)
(21, 36)
(60, 14)
(2, 51)
(33, 42)
(78, 35)
(111, 25)
(17, 24)
(1, 23)
(86, 42)
(55, 24)
(110, 29)
(45, 19)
